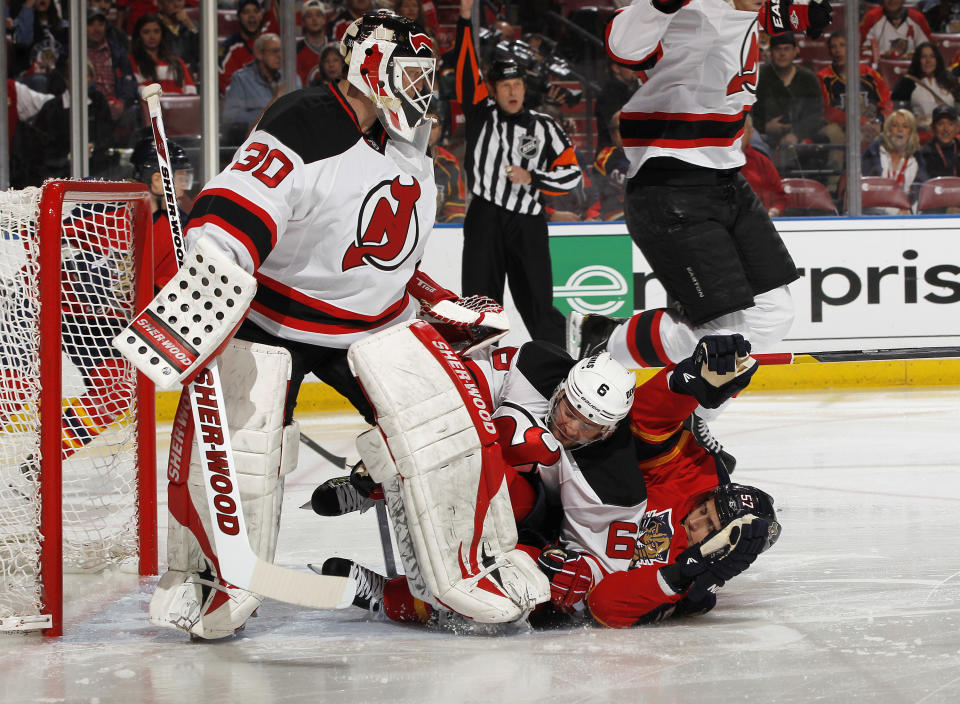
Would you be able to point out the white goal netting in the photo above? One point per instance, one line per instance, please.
(98, 428)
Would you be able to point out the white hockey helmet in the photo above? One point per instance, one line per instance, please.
(390, 60)
(600, 389)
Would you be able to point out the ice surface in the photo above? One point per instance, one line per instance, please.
(858, 601)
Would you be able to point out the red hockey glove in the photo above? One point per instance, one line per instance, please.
(570, 577)
(468, 324)
(810, 16)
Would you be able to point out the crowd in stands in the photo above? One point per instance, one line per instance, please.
(908, 93)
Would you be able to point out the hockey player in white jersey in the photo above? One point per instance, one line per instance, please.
(559, 434)
(699, 225)
(318, 222)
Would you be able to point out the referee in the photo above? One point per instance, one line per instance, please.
(513, 156)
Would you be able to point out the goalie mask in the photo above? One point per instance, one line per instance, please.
(599, 389)
(736, 500)
(391, 62)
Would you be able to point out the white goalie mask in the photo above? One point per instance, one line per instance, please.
(391, 62)
(600, 389)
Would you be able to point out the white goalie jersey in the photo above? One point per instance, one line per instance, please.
(330, 220)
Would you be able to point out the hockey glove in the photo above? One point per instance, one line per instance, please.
(668, 7)
(719, 369)
(810, 16)
(468, 324)
(570, 577)
(720, 558)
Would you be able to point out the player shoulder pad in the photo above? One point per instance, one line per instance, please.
(316, 123)
(543, 365)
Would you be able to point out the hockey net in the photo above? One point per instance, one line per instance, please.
(77, 451)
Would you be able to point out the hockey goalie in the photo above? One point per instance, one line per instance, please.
(434, 450)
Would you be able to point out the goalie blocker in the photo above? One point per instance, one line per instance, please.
(190, 320)
(435, 453)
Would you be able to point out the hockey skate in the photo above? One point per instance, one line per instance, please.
(588, 334)
(369, 583)
(342, 495)
(705, 439)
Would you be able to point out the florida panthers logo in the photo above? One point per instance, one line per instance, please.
(653, 539)
(746, 78)
(388, 229)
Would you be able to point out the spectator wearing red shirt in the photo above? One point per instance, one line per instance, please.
(762, 175)
(236, 51)
(893, 31)
(353, 11)
(313, 22)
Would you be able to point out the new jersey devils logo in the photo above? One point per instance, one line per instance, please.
(419, 42)
(388, 229)
(746, 79)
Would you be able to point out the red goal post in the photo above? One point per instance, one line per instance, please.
(77, 438)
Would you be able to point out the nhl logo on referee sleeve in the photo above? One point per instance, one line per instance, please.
(528, 146)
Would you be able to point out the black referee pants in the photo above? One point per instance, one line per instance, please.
(498, 244)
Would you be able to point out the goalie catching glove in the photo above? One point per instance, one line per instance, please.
(468, 324)
(720, 368)
(570, 577)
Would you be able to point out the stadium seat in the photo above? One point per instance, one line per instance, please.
(892, 70)
(879, 192)
(810, 49)
(939, 194)
(949, 45)
(182, 115)
(227, 23)
(807, 197)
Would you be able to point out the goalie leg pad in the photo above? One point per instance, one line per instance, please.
(191, 319)
(265, 452)
(456, 512)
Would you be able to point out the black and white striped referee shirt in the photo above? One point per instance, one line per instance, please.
(529, 139)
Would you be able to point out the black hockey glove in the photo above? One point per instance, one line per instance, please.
(819, 17)
(719, 369)
(728, 553)
(668, 7)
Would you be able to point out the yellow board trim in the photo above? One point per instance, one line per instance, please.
(804, 374)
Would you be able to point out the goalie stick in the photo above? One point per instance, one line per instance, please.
(237, 563)
(386, 542)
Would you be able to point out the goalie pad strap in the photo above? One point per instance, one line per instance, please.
(191, 319)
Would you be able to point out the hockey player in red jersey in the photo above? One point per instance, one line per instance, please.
(699, 225)
(565, 440)
(319, 222)
(661, 565)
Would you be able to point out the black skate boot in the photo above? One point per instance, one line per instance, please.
(587, 335)
(369, 583)
(341, 495)
(705, 439)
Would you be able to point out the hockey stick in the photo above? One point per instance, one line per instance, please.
(386, 541)
(237, 563)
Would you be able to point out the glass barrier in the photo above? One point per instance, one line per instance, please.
(795, 143)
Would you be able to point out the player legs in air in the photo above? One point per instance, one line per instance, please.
(697, 222)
